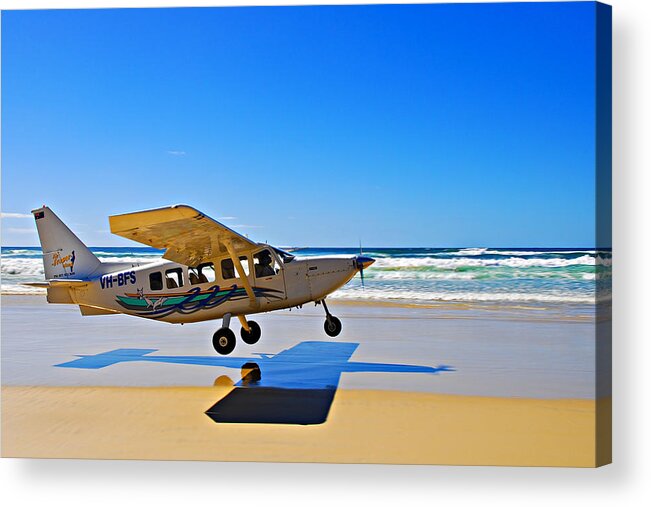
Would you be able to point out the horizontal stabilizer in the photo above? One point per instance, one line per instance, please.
(94, 310)
(64, 282)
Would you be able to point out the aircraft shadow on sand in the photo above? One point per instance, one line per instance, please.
(295, 386)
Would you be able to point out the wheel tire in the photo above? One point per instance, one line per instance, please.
(252, 336)
(332, 326)
(224, 341)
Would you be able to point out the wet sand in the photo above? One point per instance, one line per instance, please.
(400, 385)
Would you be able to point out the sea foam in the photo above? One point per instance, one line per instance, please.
(409, 274)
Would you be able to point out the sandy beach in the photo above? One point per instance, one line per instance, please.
(363, 427)
(437, 384)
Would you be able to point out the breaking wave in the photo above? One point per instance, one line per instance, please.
(423, 274)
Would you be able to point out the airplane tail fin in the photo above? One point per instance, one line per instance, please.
(64, 254)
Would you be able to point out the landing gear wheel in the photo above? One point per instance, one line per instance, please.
(332, 326)
(253, 335)
(224, 341)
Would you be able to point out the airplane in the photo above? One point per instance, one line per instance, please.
(208, 271)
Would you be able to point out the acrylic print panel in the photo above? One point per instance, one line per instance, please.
(436, 178)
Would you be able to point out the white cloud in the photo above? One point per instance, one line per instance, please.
(176, 153)
(21, 230)
(227, 218)
(16, 215)
(246, 226)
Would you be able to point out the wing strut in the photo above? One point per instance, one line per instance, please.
(240, 271)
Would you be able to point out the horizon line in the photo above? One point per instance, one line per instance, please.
(356, 247)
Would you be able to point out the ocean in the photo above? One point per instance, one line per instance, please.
(412, 275)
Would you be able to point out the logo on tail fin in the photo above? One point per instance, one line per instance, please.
(66, 262)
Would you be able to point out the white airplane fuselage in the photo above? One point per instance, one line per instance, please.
(214, 272)
(135, 289)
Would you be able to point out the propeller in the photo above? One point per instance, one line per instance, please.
(362, 262)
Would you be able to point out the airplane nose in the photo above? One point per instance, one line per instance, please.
(363, 262)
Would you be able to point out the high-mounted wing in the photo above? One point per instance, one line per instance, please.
(187, 235)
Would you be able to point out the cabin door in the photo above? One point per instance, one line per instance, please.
(268, 278)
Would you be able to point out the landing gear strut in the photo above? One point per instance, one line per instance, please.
(332, 324)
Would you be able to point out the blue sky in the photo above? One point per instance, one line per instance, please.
(431, 125)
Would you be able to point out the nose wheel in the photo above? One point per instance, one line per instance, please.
(332, 325)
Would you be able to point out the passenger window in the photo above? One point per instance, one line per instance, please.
(174, 278)
(265, 265)
(207, 272)
(245, 264)
(203, 273)
(193, 276)
(156, 281)
(228, 269)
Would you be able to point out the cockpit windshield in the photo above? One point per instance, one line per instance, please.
(285, 256)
